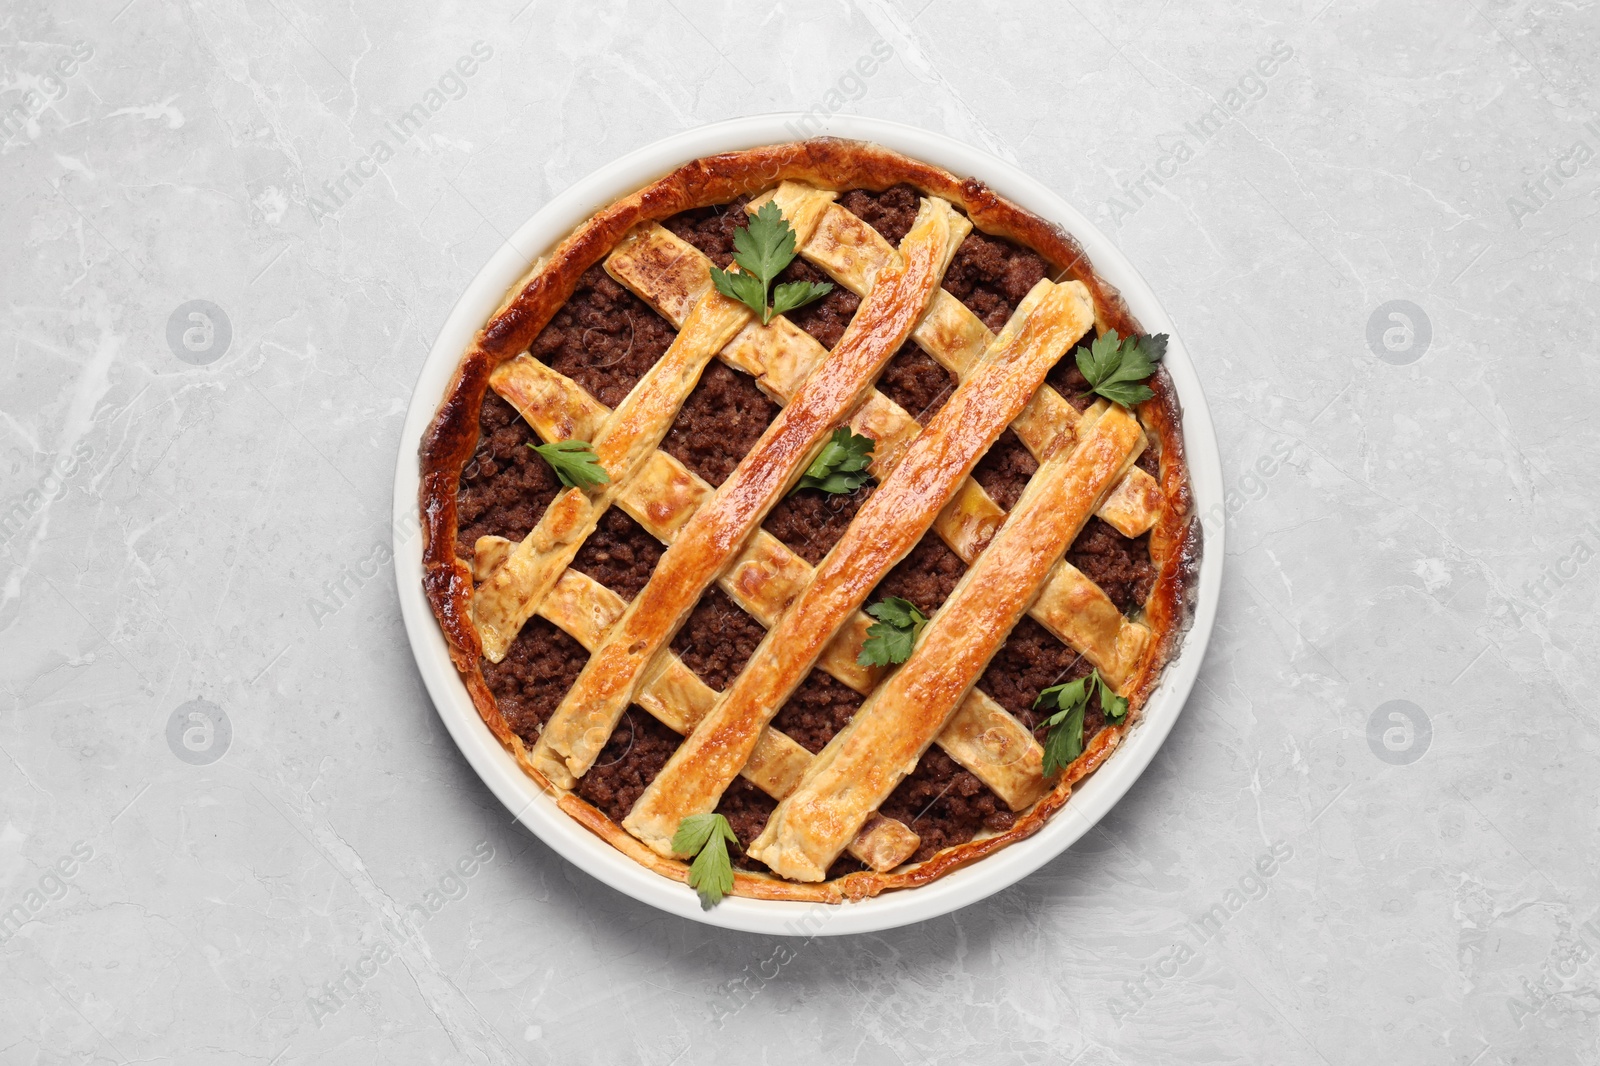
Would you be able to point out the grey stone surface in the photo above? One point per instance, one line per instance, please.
(1412, 520)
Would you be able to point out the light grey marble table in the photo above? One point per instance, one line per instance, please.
(221, 781)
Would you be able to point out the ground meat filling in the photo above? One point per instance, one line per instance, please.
(638, 749)
(529, 682)
(1119, 565)
(1005, 470)
(825, 319)
(718, 639)
(819, 708)
(747, 809)
(619, 554)
(890, 212)
(1068, 380)
(720, 422)
(926, 576)
(991, 276)
(604, 338)
(810, 521)
(1150, 459)
(945, 805)
(917, 383)
(505, 487)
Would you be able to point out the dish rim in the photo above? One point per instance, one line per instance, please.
(1091, 799)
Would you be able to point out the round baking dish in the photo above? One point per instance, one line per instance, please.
(1090, 800)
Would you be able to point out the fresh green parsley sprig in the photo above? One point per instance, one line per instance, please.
(765, 246)
(574, 462)
(1117, 368)
(706, 837)
(842, 464)
(891, 638)
(1064, 742)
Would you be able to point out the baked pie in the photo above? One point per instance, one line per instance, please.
(815, 500)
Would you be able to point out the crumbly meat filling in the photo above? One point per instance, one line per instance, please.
(604, 337)
(505, 486)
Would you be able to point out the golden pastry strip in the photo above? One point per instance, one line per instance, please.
(622, 444)
(677, 698)
(718, 530)
(984, 737)
(858, 769)
(969, 520)
(888, 525)
(852, 252)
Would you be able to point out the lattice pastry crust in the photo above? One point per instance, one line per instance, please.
(828, 803)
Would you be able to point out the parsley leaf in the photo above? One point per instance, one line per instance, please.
(764, 247)
(1117, 368)
(891, 638)
(706, 837)
(574, 462)
(746, 288)
(792, 294)
(841, 466)
(1114, 706)
(1064, 742)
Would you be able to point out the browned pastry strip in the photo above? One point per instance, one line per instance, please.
(622, 445)
(851, 252)
(865, 760)
(589, 712)
(886, 528)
